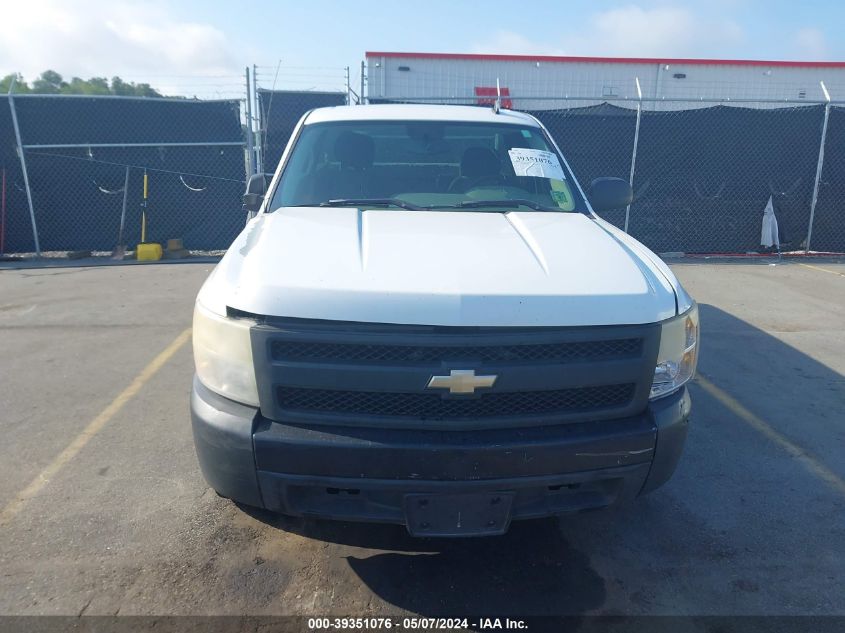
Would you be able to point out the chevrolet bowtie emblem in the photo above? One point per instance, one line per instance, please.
(461, 381)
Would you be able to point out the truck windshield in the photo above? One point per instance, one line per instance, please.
(426, 165)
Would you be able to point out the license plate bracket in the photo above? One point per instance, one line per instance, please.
(468, 514)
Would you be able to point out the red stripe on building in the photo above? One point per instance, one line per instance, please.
(607, 60)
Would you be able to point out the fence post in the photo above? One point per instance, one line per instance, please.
(250, 152)
(636, 142)
(363, 79)
(250, 147)
(23, 167)
(257, 140)
(819, 167)
(348, 88)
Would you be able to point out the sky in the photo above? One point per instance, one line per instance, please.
(194, 46)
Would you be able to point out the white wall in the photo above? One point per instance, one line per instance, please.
(598, 81)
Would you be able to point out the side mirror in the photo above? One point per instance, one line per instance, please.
(610, 193)
(256, 187)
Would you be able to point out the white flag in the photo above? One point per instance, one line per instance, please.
(769, 233)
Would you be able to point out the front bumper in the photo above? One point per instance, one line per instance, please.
(368, 474)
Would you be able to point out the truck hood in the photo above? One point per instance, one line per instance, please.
(439, 268)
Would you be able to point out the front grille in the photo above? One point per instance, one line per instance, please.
(515, 353)
(375, 374)
(434, 407)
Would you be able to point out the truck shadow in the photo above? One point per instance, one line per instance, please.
(530, 570)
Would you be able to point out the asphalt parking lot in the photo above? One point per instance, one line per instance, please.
(103, 509)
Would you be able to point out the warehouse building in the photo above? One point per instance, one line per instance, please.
(527, 80)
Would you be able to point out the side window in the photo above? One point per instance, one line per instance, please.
(301, 164)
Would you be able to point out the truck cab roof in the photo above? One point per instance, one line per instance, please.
(418, 112)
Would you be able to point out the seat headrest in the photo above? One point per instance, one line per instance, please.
(479, 161)
(354, 150)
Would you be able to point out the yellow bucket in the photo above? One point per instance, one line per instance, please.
(148, 252)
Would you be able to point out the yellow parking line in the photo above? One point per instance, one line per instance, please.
(94, 427)
(824, 270)
(807, 460)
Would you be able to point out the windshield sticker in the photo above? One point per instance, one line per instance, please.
(535, 162)
(561, 195)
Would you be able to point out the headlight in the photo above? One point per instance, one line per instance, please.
(223, 355)
(678, 354)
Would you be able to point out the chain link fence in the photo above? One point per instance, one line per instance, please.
(702, 171)
(16, 232)
(829, 217)
(279, 112)
(85, 160)
(704, 177)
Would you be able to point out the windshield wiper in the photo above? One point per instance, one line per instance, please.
(392, 202)
(519, 202)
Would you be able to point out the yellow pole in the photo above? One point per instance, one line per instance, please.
(144, 212)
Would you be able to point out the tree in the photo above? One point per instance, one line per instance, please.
(51, 82)
(20, 85)
(120, 87)
(100, 84)
(146, 90)
(93, 86)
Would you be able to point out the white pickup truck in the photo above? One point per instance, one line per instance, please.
(427, 324)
